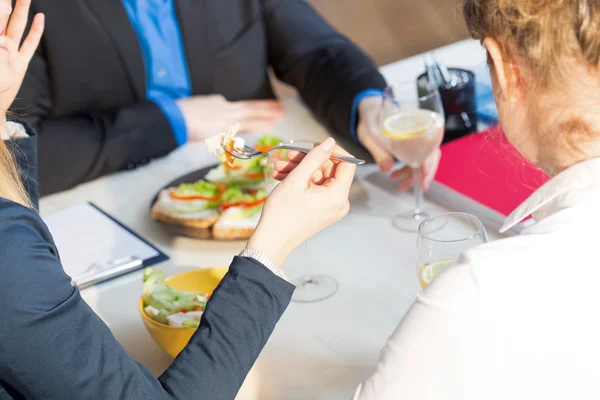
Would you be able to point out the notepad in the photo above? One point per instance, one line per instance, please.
(88, 239)
(483, 174)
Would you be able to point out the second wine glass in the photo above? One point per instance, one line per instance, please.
(412, 128)
(311, 287)
(441, 241)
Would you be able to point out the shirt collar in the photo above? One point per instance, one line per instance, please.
(560, 192)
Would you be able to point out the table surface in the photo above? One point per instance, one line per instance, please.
(320, 350)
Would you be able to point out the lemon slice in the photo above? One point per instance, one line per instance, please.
(408, 125)
(430, 271)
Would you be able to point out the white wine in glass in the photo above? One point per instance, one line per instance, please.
(412, 128)
(441, 241)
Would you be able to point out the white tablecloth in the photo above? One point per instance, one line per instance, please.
(320, 350)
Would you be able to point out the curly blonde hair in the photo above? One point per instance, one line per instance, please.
(543, 32)
(559, 42)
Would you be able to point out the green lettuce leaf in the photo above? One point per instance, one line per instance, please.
(200, 188)
(166, 299)
(190, 324)
(252, 211)
(261, 194)
(268, 140)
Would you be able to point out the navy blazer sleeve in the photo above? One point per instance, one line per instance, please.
(53, 346)
(326, 68)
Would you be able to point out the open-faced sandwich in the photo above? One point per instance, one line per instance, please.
(193, 205)
(240, 213)
(227, 204)
(231, 212)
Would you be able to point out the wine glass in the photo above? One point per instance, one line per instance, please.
(411, 128)
(312, 287)
(442, 239)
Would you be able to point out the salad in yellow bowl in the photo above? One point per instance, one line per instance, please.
(172, 308)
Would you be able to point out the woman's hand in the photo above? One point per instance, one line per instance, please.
(14, 60)
(313, 194)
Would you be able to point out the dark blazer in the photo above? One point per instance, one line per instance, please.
(24, 151)
(85, 88)
(53, 346)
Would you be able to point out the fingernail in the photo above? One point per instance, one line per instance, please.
(328, 144)
(5, 9)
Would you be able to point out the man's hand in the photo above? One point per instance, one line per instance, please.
(368, 124)
(207, 115)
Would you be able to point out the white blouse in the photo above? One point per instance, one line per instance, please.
(517, 318)
(12, 130)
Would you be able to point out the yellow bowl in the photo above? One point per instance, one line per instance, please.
(173, 340)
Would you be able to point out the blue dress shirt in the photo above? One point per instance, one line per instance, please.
(157, 28)
(167, 78)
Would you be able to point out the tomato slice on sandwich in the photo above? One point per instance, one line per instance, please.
(234, 197)
(245, 204)
(200, 190)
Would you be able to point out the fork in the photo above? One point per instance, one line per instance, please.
(248, 152)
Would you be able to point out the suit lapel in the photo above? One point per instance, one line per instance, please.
(196, 26)
(116, 22)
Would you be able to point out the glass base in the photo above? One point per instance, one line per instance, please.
(409, 221)
(312, 288)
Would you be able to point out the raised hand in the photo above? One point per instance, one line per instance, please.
(14, 56)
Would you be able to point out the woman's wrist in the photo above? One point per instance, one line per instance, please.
(269, 244)
(265, 260)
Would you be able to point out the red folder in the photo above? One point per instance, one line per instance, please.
(483, 174)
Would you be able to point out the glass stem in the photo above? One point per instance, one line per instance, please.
(418, 189)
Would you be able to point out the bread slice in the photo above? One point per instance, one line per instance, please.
(233, 226)
(177, 219)
(230, 233)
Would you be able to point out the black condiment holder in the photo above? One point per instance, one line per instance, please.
(457, 91)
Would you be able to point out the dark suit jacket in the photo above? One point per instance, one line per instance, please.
(24, 151)
(53, 346)
(85, 88)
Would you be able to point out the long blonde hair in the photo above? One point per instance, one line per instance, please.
(544, 33)
(11, 187)
(559, 40)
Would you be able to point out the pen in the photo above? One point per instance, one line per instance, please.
(429, 66)
(446, 77)
(107, 270)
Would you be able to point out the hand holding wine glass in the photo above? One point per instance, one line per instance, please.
(412, 129)
(368, 125)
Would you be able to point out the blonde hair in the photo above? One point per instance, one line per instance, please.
(11, 187)
(542, 32)
(559, 42)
